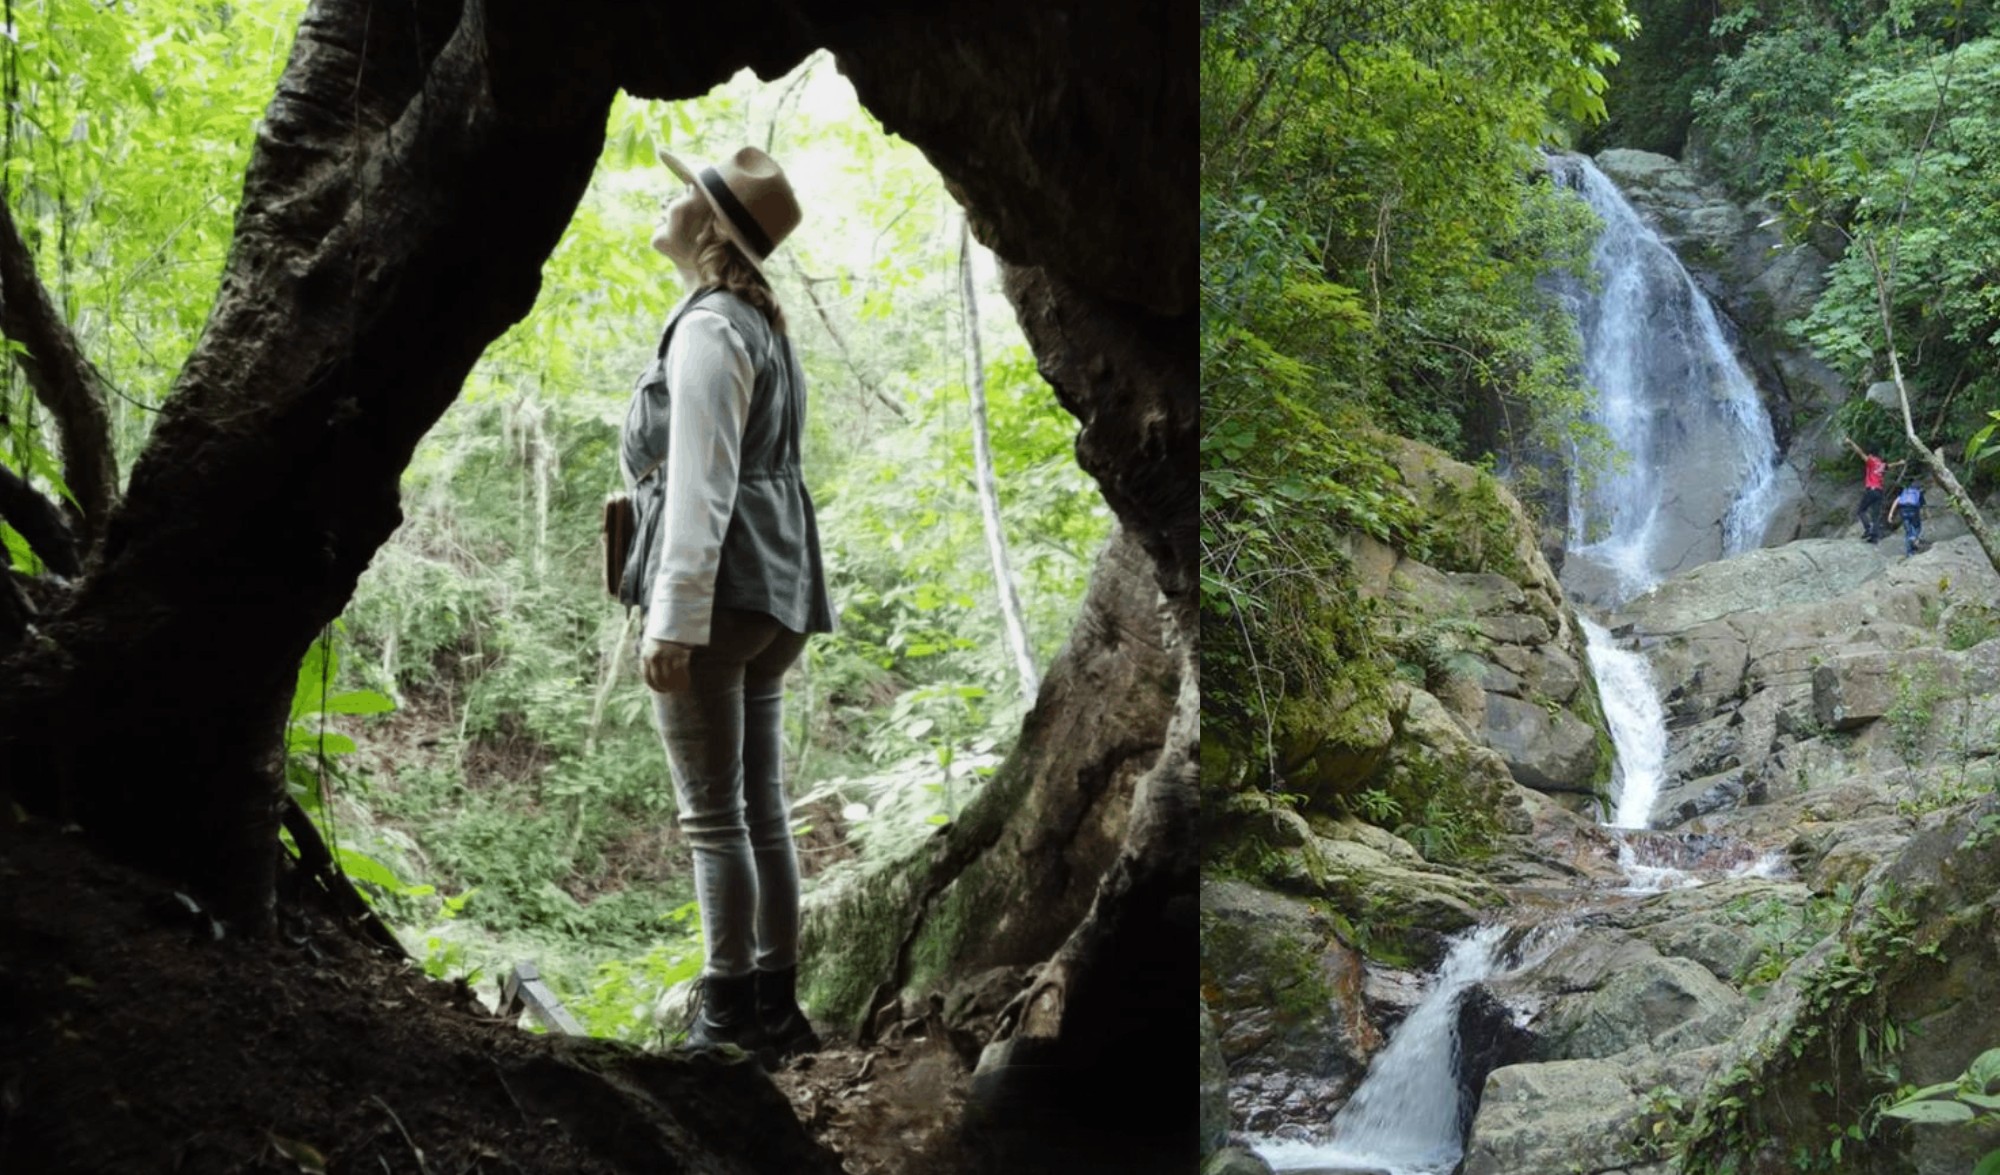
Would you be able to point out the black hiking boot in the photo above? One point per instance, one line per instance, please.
(726, 1013)
(786, 1030)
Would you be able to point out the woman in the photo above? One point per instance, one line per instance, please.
(727, 566)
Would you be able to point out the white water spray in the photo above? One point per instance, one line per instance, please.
(1407, 1118)
(1696, 479)
(1638, 725)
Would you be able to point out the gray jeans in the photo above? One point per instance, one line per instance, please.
(725, 743)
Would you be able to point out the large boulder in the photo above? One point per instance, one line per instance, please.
(1666, 1004)
(1285, 995)
(1546, 748)
(1554, 1116)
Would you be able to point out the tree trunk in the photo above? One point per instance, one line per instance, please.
(153, 714)
(1933, 458)
(982, 461)
(414, 170)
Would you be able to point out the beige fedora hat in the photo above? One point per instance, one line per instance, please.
(752, 199)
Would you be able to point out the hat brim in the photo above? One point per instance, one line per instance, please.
(678, 167)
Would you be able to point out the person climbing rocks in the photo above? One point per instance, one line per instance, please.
(1872, 468)
(1910, 504)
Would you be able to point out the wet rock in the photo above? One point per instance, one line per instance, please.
(1235, 1161)
(1545, 749)
(1553, 1116)
(1489, 1037)
(1285, 992)
(1699, 797)
(1214, 1088)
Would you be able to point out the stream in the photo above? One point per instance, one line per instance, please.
(1695, 481)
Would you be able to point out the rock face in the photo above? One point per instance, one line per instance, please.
(1286, 997)
(1516, 679)
(1737, 256)
(1793, 667)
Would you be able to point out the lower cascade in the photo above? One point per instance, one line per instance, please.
(1638, 725)
(1410, 1113)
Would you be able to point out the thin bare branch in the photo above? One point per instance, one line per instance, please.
(840, 344)
(62, 378)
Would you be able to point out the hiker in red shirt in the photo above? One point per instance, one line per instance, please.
(1872, 468)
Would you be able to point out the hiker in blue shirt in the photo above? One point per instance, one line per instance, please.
(1909, 504)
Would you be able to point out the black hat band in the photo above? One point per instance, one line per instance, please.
(753, 233)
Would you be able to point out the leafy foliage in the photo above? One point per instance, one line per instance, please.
(1376, 233)
(484, 721)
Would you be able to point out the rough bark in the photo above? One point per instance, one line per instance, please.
(1006, 883)
(417, 166)
(40, 522)
(62, 379)
(340, 334)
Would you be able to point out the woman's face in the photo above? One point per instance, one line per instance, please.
(681, 220)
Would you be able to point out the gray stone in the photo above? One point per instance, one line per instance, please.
(1662, 1004)
(1488, 593)
(1548, 751)
(1515, 628)
(1853, 690)
(1285, 992)
(1214, 1088)
(1496, 680)
(1699, 797)
(1235, 1160)
(1552, 1117)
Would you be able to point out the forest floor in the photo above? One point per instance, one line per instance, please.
(135, 1037)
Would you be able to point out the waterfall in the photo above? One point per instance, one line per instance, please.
(1638, 725)
(1694, 481)
(1694, 478)
(1408, 1116)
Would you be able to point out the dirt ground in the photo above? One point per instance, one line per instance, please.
(135, 1036)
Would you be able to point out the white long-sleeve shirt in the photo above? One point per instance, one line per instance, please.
(709, 378)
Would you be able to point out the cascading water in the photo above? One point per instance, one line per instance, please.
(1696, 474)
(1408, 1116)
(1638, 725)
(1695, 481)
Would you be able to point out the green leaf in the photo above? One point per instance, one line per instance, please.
(1930, 1111)
(361, 867)
(360, 701)
(1985, 1069)
(331, 743)
(1990, 1165)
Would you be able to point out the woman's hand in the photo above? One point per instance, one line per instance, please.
(665, 665)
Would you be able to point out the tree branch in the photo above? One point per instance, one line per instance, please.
(840, 344)
(40, 521)
(63, 379)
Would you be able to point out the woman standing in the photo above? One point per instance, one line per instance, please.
(727, 566)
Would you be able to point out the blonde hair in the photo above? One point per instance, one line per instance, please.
(721, 263)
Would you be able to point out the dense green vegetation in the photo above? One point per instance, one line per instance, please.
(1376, 237)
(515, 800)
(1864, 121)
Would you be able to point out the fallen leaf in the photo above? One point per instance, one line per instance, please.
(304, 1154)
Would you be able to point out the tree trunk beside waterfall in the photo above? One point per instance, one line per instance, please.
(1934, 460)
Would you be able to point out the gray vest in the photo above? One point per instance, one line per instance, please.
(770, 554)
